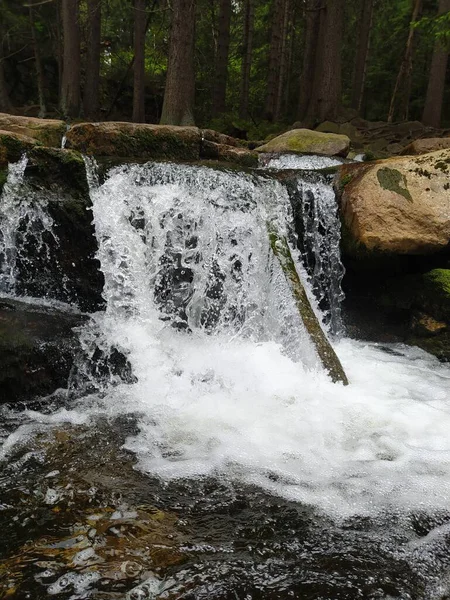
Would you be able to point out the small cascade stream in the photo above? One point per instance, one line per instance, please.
(268, 480)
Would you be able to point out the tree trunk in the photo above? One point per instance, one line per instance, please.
(38, 65)
(246, 58)
(314, 15)
(139, 62)
(70, 88)
(220, 83)
(436, 82)
(274, 58)
(283, 58)
(403, 81)
(59, 46)
(362, 53)
(92, 87)
(178, 105)
(5, 102)
(325, 102)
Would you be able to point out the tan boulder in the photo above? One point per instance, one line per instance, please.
(399, 205)
(427, 145)
(307, 141)
(48, 132)
(136, 140)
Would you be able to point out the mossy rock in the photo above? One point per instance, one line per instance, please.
(397, 206)
(134, 140)
(307, 141)
(52, 167)
(48, 132)
(13, 146)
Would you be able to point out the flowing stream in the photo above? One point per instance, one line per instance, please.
(283, 484)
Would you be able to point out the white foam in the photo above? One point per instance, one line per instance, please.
(248, 402)
(298, 161)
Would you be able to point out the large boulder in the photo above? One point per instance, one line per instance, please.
(48, 132)
(396, 206)
(136, 140)
(426, 145)
(307, 141)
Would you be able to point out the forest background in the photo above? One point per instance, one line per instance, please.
(245, 67)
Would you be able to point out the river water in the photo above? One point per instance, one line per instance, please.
(228, 465)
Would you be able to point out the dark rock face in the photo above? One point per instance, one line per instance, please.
(37, 350)
(57, 261)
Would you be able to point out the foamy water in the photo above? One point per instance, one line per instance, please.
(227, 381)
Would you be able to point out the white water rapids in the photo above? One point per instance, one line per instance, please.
(227, 382)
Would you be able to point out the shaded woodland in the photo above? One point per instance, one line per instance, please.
(240, 66)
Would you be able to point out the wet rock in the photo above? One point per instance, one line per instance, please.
(13, 145)
(37, 349)
(306, 141)
(231, 154)
(396, 206)
(58, 260)
(136, 140)
(80, 520)
(425, 145)
(56, 168)
(48, 132)
(422, 302)
(210, 135)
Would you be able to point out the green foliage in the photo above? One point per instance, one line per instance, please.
(391, 24)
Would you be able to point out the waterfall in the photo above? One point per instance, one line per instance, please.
(191, 245)
(204, 451)
(223, 379)
(317, 220)
(25, 230)
(321, 246)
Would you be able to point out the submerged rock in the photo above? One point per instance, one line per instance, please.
(37, 349)
(80, 520)
(307, 141)
(48, 132)
(396, 206)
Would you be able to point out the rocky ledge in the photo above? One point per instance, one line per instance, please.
(37, 349)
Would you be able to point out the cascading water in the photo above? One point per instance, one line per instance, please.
(25, 230)
(317, 218)
(321, 246)
(283, 484)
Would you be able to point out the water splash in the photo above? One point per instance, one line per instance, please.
(25, 227)
(298, 162)
(190, 244)
(320, 245)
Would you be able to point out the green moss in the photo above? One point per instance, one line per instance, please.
(394, 181)
(50, 166)
(441, 165)
(344, 181)
(161, 145)
(327, 355)
(14, 147)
